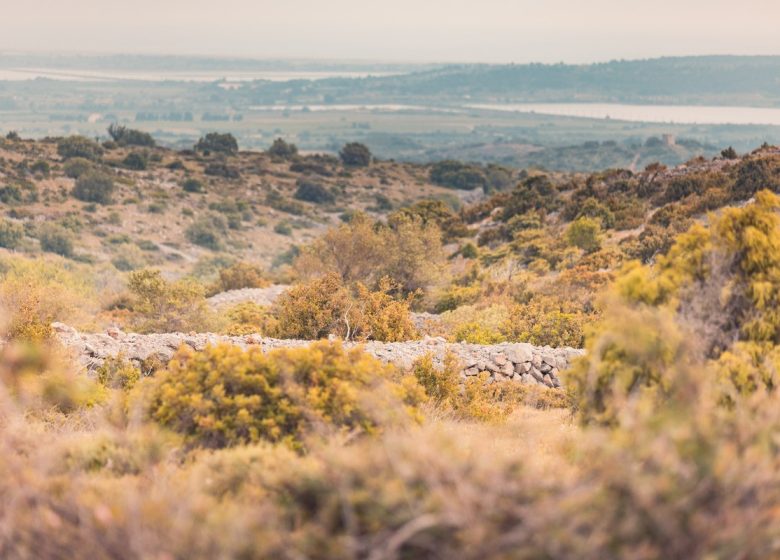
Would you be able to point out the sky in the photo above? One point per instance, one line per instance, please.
(497, 31)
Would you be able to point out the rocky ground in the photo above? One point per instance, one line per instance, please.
(517, 362)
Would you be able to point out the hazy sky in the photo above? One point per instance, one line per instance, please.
(413, 30)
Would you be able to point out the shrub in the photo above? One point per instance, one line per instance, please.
(208, 232)
(250, 318)
(225, 396)
(752, 176)
(76, 167)
(326, 306)
(192, 186)
(79, 147)
(41, 166)
(56, 239)
(314, 192)
(216, 142)
(11, 234)
(124, 136)
(282, 149)
(240, 275)
(221, 169)
(94, 187)
(355, 154)
(458, 175)
(283, 228)
(136, 161)
(162, 306)
(585, 234)
(117, 373)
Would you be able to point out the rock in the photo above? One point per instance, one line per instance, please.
(548, 380)
(520, 353)
(500, 359)
(546, 368)
(472, 371)
(536, 374)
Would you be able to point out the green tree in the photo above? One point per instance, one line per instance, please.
(355, 154)
(216, 142)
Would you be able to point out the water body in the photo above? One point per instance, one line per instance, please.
(677, 114)
(24, 74)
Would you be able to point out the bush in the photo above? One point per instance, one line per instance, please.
(221, 169)
(458, 175)
(326, 306)
(250, 318)
(754, 175)
(11, 234)
(162, 306)
(216, 142)
(94, 187)
(314, 192)
(79, 147)
(76, 167)
(239, 276)
(585, 234)
(192, 186)
(355, 154)
(56, 239)
(208, 232)
(124, 136)
(225, 396)
(282, 149)
(136, 161)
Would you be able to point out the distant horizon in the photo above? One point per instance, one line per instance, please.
(431, 31)
(355, 60)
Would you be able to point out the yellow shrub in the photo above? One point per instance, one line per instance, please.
(250, 318)
(225, 396)
(238, 276)
(162, 306)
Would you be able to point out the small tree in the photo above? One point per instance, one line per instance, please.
(56, 239)
(729, 153)
(79, 146)
(94, 187)
(216, 142)
(282, 149)
(584, 233)
(355, 154)
(128, 137)
(11, 234)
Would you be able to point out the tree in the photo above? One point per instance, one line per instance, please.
(216, 142)
(282, 149)
(79, 146)
(584, 233)
(458, 175)
(129, 137)
(355, 154)
(94, 187)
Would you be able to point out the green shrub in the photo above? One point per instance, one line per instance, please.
(282, 149)
(458, 175)
(585, 234)
(224, 396)
(136, 161)
(56, 239)
(208, 232)
(355, 154)
(76, 167)
(79, 147)
(309, 191)
(124, 136)
(216, 142)
(192, 186)
(94, 187)
(11, 234)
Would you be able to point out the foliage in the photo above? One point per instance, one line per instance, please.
(11, 234)
(225, 396)
(326, 306)
(94, 187)
(163, 306)
(192, 186)
(250, 318)
(208, 231)
(584, 233)
(56, 239)
(136, 161)
(219, 143)
(240, 275)
(78, 166)
(309, 191)
(458, 175)
(355, 154)
(124, 136)
(79, 147)
(282, 149)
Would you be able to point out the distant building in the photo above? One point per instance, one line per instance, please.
(670, 139)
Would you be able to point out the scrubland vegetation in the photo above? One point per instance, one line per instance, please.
(662, 443)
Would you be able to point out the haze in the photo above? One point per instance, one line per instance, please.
(403, 30)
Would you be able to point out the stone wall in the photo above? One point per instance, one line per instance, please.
(518, 362)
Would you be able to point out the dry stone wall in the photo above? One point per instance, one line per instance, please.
(518, 362)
